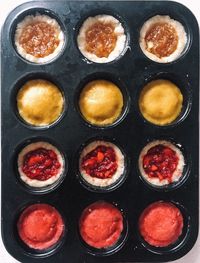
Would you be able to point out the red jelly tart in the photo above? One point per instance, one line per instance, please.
(161, 163)
(161, 224)
(40, 164)
(40, 226)
(101, 163)
(101, 225)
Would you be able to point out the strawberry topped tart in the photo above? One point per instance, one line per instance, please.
(40, 164)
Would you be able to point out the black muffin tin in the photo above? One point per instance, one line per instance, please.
(69, 70)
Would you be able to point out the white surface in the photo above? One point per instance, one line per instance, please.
(194, 5)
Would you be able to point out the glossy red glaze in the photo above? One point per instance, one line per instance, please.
(41, 164)
(100, 162)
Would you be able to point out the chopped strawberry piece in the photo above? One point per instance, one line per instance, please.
(146, 160)
(100, 157)
(34, 160)
(154, 168)
(90, 163)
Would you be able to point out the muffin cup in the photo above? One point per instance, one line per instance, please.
(180, 19)
(99, 189)
(45, 189)
(181, 241)
(40, 11)
(185, 88)
(37, 253)
(110, 250)
(34, 76)
(109, 77)
(96, 12)
(183, 177)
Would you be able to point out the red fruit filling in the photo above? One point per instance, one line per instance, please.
(41, 164)
(100, 162)
(161, 224)
(40, 226)
(160, 161)
(101, 225)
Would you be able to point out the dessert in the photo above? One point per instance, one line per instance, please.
(40, 164)
(160, 102)
(40, 102)
(101, 102)
(101, 225)
(39, 38)
(162, 39)
(40, 226)
(161, 224)
(101, 164)
(161, 163)
(101, 38)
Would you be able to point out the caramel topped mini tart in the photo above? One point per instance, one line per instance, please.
(101, 102)
(162, 39)
(40, 102)
(104, 35)
(101, 38)
(161, 102)
(39, 38)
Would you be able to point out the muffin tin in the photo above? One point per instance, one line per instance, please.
(69, 70)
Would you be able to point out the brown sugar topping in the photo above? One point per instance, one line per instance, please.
(161, 39)
(101, 39)
(39, 39)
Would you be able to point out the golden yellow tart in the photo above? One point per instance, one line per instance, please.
(101, 102)
(160, 102)
(40, 102)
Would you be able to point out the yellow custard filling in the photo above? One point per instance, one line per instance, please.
(160, 102)
(101, 102)
(40, 102)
